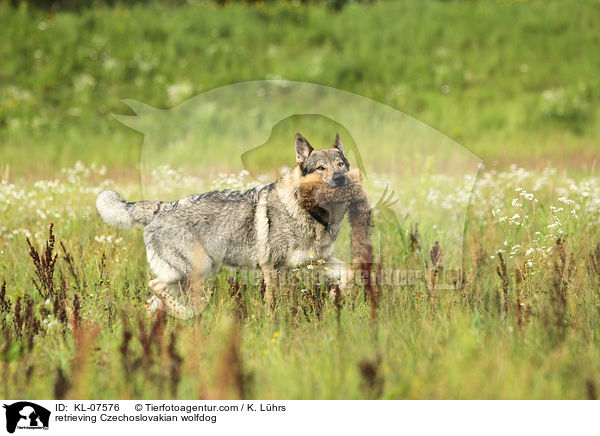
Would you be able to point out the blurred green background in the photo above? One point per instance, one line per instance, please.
(513, 81)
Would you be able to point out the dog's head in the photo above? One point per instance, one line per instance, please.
(330, 164)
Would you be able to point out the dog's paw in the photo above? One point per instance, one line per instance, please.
(172, 306)
(153, 305)
(156, 285)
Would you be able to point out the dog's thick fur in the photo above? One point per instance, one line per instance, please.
(271, 227)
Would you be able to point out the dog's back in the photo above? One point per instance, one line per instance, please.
(222, 222)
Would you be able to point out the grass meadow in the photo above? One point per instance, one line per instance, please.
(517, 83)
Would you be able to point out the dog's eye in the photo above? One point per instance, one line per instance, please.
(321, 168)
(340, 164)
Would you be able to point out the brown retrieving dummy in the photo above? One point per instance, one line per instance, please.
(325, 201)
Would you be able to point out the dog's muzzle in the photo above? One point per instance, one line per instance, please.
(339, 179)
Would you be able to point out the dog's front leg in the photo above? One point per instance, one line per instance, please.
(271, 284)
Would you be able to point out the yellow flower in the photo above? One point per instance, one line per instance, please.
(272, 340)
(276, 334)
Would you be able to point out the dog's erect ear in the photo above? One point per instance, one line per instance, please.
(303, 149)
(338, 143)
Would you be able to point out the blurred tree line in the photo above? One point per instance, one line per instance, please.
(75, 5)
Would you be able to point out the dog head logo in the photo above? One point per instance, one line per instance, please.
(26, 415)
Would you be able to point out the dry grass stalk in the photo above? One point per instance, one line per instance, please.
(594, 264)
(5, 305)
(518, 305)
(564, 266)
(44, 265)
(72, 269)
(435, 255)
(502, 272)
(18, 317)
(317, 295)
(236, 291)
(102, 272)
(76, 314)
(31, 324)
(479, 261)
(59, 306)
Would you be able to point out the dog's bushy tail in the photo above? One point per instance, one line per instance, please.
(120, 213)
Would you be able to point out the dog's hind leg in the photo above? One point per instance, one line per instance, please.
(180, 287)
(178, 303)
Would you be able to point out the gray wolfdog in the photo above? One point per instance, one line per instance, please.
(272, 227)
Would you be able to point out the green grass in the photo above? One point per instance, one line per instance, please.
(491, 75)
(481, 341)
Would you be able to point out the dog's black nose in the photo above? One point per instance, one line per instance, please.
(339, 179)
